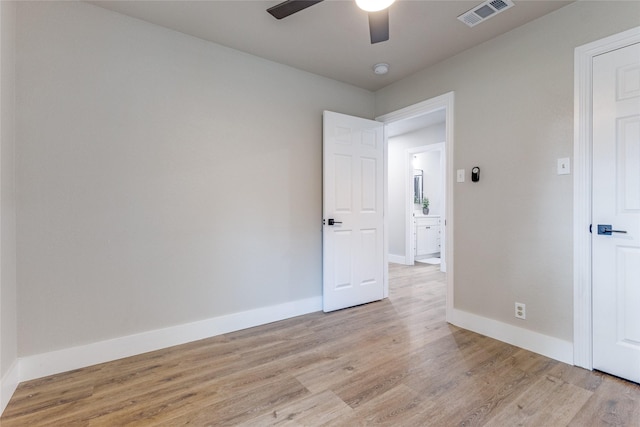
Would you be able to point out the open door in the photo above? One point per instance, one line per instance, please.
(353, 190)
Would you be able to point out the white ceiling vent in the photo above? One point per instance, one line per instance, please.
(484, 11)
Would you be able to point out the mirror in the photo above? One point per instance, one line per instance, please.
(417, 186)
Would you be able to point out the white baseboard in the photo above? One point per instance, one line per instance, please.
(8, 384)
(54, 362)
(44, 364)
(398, 259)
(545, 345)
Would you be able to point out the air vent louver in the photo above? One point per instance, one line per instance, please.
(484, 11)
(499, 4)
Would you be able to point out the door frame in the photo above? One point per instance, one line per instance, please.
(442, 102)
(582, 155)
(410, 245)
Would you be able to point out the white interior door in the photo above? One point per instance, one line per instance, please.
(616, 212)
(353, 189)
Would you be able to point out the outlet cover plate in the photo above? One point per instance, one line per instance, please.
(521, 311)
(564, 166)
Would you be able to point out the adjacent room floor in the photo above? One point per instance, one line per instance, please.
(394, 362)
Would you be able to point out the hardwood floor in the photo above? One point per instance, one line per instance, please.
(394, 362)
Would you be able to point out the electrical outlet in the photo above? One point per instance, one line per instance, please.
(521, 310)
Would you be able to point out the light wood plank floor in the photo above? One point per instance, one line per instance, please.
(394, 362)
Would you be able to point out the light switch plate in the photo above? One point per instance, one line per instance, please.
(460, 175)
(564, 166)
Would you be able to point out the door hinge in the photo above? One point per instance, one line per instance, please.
(591, 228)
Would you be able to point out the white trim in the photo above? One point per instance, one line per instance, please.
(398, 259)
(545, 345)
(54, 362)
(582, 316)
(8, 384)
(446, 102)
(386, 257)
(415, 110)
(409, 244)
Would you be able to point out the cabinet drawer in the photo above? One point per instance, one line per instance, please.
(427, 221)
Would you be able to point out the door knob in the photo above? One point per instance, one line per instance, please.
(606, 230)
(334, 222)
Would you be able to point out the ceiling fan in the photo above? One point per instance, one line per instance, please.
(378, 14)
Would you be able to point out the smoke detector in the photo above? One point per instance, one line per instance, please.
(381, 68)
(484, 11)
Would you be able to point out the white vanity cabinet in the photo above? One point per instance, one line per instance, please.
(427, 235)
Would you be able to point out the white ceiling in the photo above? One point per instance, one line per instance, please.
(332, 38)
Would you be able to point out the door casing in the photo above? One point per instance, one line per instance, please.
(582, 153)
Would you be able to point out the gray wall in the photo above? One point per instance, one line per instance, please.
(8, 315)
(514, 118)
(397, 181)
(139, 153)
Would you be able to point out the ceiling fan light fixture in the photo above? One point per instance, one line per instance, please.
(374, 5)
(381, 69)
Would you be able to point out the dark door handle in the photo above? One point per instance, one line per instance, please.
(334, 222)
(606, 230)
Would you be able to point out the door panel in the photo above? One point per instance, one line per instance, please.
(628, 291)
(352, 197)
(616, 202)
(342, 184)
(368, 266)
(342, 259)
(368, 185)
(629, 160)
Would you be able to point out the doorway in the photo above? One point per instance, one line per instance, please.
(424, 203)
(372, 251)
(397, 123)
(416, 188)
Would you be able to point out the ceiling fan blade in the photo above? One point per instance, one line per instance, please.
(289, 7)
(379, 26)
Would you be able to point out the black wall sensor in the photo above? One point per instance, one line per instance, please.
(475, 174)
